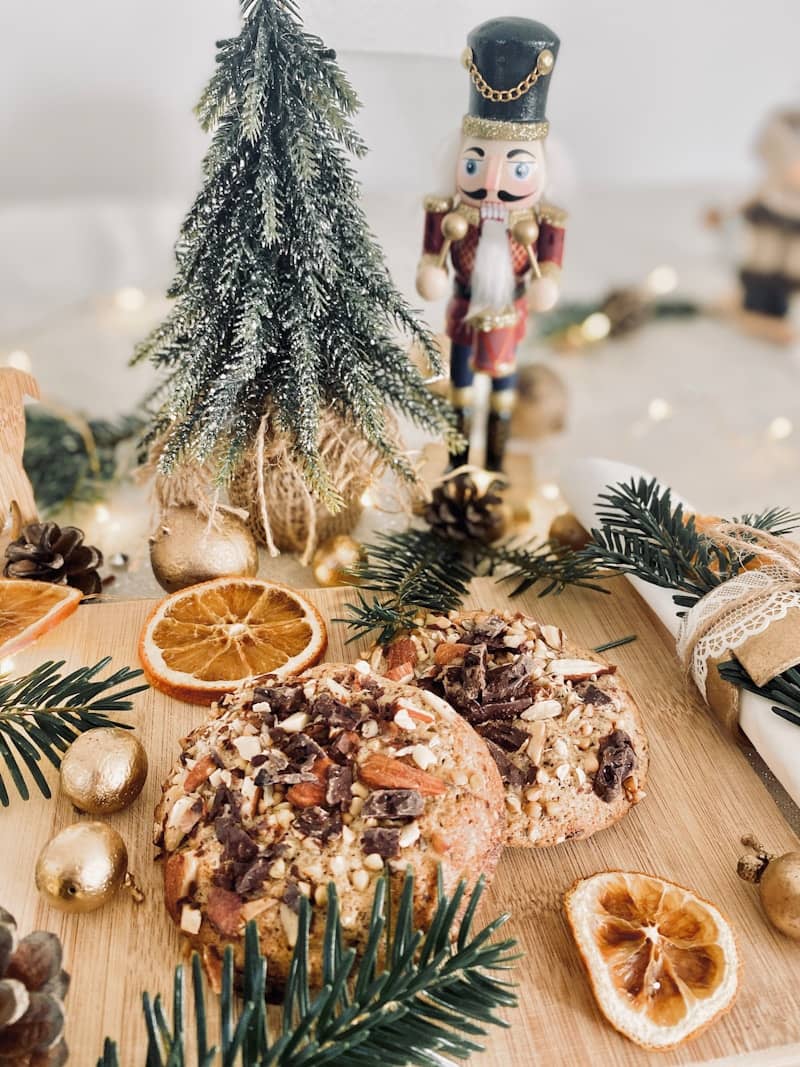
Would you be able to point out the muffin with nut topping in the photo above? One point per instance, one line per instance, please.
(334, 776)
(562, 728)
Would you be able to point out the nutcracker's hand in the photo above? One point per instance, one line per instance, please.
(431, 279)
(542, 294)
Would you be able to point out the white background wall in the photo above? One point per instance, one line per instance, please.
(98, 93)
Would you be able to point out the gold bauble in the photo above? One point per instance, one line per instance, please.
(526, 231)
(779, 888)
(454, 226)
(82, 868)
(333, 558)
(567, 531)
(541, 407)
(187, 549)
(104, 770)
(778, 881)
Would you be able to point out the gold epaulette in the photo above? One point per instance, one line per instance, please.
(556, 216)
(438, 205)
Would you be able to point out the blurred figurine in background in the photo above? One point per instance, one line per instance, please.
(770, 268)
(504, 243)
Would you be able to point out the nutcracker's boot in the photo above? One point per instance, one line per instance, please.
(498, 429)
(497, 434)
(461, 397)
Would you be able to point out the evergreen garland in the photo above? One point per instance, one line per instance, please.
(67, 465)
(42, 712)
(283, 302)
(413, 995)
(416, 571)
(646, 534)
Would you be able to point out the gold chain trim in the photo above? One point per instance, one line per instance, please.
(544, 64)
(498, 130)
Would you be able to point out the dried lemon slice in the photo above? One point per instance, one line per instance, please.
(207, 640)
(662, 962)
(29, 609)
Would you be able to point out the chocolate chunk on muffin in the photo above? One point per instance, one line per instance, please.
(564, 732)
(335, 776)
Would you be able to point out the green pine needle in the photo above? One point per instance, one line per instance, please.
(783, 691)
(412, 997)
(643, 532)
(42, 712)
(416, 570)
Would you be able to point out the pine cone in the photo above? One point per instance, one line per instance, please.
(627, 310)
(45, 552)
(32, 991)
(463, 510)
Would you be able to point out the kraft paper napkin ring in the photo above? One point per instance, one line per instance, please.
(754, 616)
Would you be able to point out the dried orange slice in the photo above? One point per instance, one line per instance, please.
(29, 609)
(207, 640)
(662, 962)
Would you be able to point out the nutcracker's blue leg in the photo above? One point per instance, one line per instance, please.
(501, 404)
(461, 390)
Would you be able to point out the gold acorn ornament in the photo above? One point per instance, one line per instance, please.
(778, 881)
(567, 531)
(83, 867)
(104, 770)
(189, 548)
(334, 558)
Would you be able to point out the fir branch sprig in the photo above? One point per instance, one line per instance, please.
(70, 460)
(412, 995)
(42, 712)
(783, 691)
(646, 533)
(417, 570)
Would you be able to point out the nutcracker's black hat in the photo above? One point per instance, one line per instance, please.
(510, 62)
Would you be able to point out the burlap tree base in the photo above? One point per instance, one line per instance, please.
(283, 514)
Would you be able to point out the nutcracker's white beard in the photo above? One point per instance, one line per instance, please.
(493, 281)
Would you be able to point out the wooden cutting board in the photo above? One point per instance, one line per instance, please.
(702, 795)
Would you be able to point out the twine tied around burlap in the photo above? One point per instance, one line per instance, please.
(754, 616)
(270, 483)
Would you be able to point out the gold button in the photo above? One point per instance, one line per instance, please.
(544, 64)
(466, 58)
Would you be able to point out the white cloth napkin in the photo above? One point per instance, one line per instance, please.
(776, 741)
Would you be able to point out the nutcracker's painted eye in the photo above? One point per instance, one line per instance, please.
(470, 167)
(522, 171)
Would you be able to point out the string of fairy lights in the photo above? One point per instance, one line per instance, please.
(109, 522)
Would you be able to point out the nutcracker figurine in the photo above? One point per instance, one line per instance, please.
(770, 269)
(504, 243)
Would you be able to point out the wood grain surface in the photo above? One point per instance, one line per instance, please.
(702, 795)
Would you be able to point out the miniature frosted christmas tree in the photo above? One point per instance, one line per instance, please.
(286, 349)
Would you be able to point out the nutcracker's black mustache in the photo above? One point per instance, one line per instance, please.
(481, 194)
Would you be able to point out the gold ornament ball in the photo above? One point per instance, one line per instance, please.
(779, 888)
(778, 881)
(454, 226)
(82, 868)
(567, 531)
(187, 550)
(104, 770)
(333, 558)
